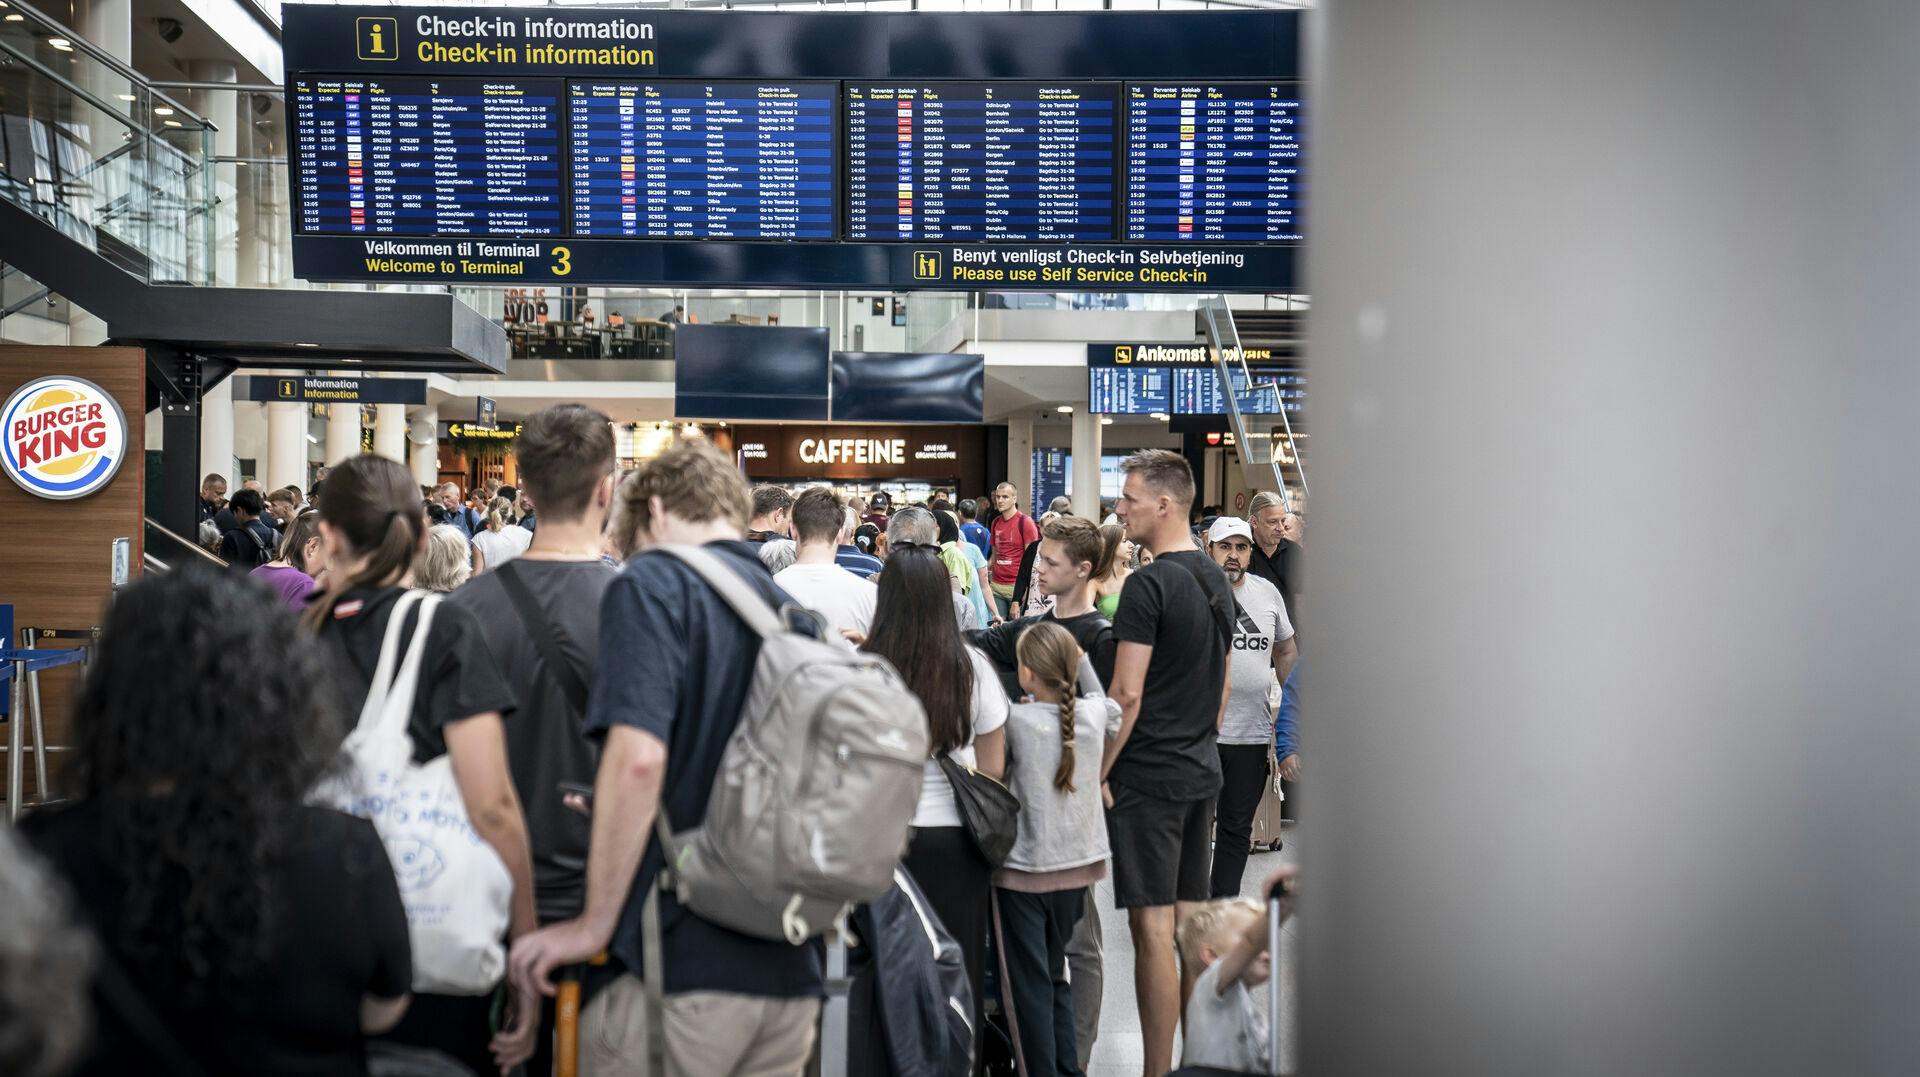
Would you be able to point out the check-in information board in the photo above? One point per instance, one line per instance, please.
(1071, 151)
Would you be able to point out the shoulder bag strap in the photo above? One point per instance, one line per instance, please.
(546, 636)
(382, 682)
(1222, 619)
(745, 601)
(397, 707)
(117, 991)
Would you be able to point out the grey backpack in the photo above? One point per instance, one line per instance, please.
(810, 808)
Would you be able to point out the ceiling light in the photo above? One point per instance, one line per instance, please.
(60, 43)
(16, 18)
(1065, 409)
(304, 344)
(125, 96)
(174, 123)
(1160, 415)
(1106, 421)
(162, 110)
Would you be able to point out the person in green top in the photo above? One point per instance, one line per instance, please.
(1118, 557)
(966, 564)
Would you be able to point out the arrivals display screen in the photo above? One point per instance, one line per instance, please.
(587, 145)
(981, 161)
(427, 157)
(1213, 162)
(1180, 379)
(714, 160)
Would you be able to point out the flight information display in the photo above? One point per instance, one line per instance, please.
(996, 161)
(1213, 162)
(703, 160)
(1186, 390)
(1121, 390)
(428, 157)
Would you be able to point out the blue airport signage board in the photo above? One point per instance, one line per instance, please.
(1128, 151)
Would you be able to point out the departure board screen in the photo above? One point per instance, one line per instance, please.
(428, 156)
(703, 160)
(1213, 162)
(999, 161)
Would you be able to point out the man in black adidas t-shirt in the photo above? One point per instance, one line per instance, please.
(1163, 772)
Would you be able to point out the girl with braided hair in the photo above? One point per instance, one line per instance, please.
(1055, 739)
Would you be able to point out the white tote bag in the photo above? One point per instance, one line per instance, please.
(455, 887)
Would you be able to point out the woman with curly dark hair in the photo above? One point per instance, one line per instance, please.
(242, 931)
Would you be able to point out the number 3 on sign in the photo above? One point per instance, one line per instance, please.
(562, 261)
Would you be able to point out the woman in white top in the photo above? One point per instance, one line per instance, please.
(913, 628)
(1054, 744)
(502, 540)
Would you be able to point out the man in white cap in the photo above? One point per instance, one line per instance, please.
(1262, 650)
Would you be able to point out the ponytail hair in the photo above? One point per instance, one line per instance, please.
(373, 506)
(1049, 651)
(499, 514)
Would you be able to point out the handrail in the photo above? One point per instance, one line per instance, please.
(183, 543)
(73, 87)
(1221, 343)
(10, 311)
(107, 58)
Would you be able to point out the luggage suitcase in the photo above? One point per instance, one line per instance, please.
(1267, 818)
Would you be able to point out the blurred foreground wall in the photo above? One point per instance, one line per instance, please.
(1611, 647)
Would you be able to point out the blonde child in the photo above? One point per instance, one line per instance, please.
(1226, 1026)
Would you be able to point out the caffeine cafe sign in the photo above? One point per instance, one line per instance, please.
(938, 453)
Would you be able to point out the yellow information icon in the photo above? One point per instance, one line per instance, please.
(288, 389)
(378, 37)
(926, 265)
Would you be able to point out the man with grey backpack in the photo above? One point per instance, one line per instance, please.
(708, 667)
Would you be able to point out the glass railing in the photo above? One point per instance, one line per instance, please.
(101, 155)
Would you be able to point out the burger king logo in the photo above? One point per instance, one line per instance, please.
(61, 437)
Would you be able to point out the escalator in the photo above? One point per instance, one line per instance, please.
(1261, 402)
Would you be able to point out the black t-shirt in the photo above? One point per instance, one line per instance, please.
(546, 744)
(1090, 630)
(458, 675)
(341, 934)
(1171, 753)
(677, 664)
(1282, 570)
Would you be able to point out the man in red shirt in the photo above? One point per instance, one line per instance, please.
(1012, 532)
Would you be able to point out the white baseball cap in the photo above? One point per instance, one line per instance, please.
(1225, 527)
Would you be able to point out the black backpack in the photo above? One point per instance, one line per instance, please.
(260, 551)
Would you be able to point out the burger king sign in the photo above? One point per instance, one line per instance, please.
(62, 437)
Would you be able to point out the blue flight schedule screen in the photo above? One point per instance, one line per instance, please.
(1213, 162)
(703, 160)
(1125, 390)
(996, 161)
(428, 157)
